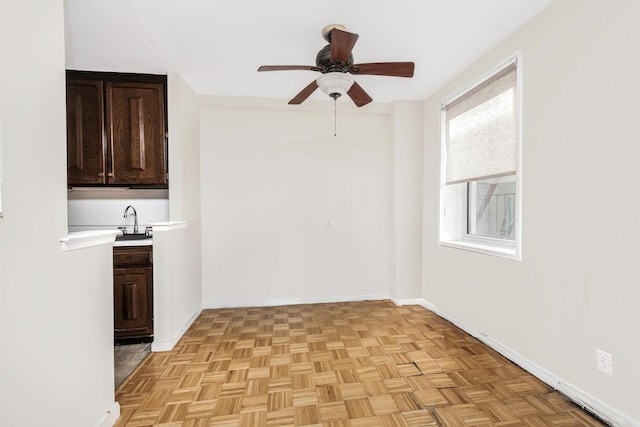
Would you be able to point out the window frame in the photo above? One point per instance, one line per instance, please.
(453, 198)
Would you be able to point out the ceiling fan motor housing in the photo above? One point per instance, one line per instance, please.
(323, 59)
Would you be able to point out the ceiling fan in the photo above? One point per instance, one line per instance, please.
(335, 62)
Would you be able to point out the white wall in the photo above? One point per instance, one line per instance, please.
(176, 247)
(176, 295)
(184, 198)
(576, 287)
(56, 309)
(406, 199)
(291, 213)
(104, 209)
(184, 151)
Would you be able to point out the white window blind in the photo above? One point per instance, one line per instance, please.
(481, 130)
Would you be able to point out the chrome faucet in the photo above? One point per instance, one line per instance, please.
(135, 218)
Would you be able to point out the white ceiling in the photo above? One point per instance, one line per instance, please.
(218, 45)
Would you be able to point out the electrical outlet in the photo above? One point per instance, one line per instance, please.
(605, 362)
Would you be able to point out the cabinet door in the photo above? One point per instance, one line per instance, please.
(133, 302)
(85, 133)
(135, 134)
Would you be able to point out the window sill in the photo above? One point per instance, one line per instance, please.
(501, 249)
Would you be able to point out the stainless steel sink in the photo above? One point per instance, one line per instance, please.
(126, 237)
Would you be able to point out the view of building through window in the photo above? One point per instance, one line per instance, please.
(491, 207)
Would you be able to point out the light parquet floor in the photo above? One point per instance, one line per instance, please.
(356, 364)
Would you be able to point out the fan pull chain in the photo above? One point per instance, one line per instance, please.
(335, 117)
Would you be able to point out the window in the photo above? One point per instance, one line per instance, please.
(480, 164)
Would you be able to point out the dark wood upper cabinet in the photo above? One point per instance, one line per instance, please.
(85, 132)
(135, 114)
(116, 129)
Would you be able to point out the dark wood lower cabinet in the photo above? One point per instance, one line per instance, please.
(133, 292)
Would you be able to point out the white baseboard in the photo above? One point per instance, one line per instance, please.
(408, 301)
(111, 416)
(290, 301)
(580, 397)
(167, 345)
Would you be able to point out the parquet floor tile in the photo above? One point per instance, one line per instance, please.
(356, 364)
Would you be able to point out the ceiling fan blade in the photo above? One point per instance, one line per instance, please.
(288, 67)
(394, 69)
(358, 95)
(304, 94)
(341, 44)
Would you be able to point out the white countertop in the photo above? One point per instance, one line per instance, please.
(144, 242)
(88, 238)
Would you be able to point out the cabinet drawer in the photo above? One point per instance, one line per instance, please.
(126, 256)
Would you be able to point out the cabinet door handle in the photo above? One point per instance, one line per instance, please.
(110, 174)
(100, 173)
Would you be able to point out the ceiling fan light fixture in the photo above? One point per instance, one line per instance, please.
(335, 84)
